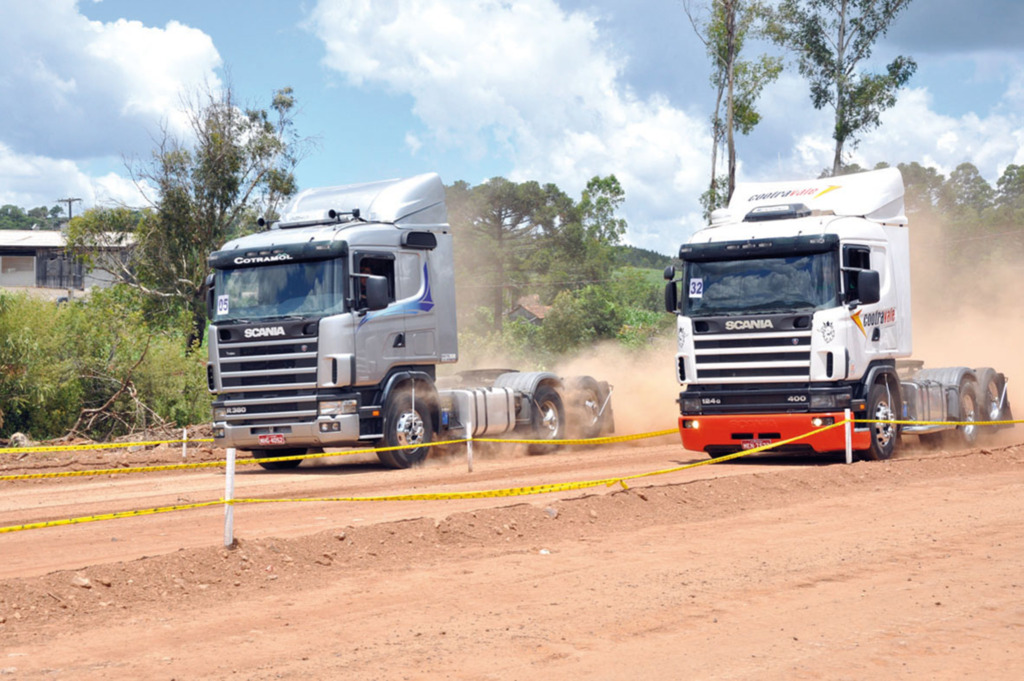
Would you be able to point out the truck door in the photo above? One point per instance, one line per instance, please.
(379, 334)
(874, 331)
(416, 288)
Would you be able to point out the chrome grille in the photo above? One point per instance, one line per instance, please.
(766, 357)
(268, 381)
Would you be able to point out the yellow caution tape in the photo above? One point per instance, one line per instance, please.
(104, 445)
(480, 494)
(937, 423)
(297, 457)
(611, 439)
(108, 516)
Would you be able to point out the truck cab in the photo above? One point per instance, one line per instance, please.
(317, 320)
(326, 330)
(792, 307)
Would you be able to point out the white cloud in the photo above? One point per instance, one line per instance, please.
(913, 131)
(75, 90)
(533, 83)
(795, 140)
(28, 181)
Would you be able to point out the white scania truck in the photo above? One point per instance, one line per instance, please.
(327, 327)
(794, 305)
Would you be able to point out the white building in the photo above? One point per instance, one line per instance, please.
(37, 260)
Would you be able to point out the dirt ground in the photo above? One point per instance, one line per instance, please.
(770, 568)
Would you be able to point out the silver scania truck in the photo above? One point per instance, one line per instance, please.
(327, 328)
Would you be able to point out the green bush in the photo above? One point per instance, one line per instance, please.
(96, 367)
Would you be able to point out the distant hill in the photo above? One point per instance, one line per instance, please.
(641, 257)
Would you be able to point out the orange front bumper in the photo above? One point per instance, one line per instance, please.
(746, 431)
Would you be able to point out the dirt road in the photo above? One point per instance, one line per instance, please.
(779, 568)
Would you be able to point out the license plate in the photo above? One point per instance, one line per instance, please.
(272, 439)
(754, 444)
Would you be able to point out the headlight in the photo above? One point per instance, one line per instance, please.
(690, 405)
(220, 413)
(337, 407)
(825, 401)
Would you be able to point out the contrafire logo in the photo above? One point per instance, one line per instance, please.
(813, 192)
(879, 318)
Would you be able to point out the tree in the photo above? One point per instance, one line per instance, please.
(41, 217)
(501, 219)
(737, 82)
(577, 248)
(831, 38)
(966, 194)
(923, 187)
(235, 165)
(1010, 188)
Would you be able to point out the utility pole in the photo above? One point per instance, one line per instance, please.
(68, 201)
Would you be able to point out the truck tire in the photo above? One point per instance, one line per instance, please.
(259, 454)
(967, 435)
(406, 423)
(990, 392)
(585, 401)
(547, 418)
(883, 435)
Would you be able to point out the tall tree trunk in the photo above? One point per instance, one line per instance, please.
(730, 30)
(499, 269)
(841, 77)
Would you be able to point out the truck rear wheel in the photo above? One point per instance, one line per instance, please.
(406, 423)
(883, 435)
(259, 454)
(967, 434)
(990, 395)
(585, 407)
(547, 418)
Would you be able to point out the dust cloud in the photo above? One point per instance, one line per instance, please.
(643, 382)
(967, 305)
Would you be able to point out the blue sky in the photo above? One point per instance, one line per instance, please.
(549, 90)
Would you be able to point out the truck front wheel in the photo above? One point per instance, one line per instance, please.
(261, 454)
(883, 435)
(406, 423)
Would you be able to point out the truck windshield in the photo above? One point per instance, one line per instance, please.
(763, 285)
(297, 288)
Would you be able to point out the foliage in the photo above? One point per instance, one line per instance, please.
(738, 83)
(94, 368)
(41, 217)
(640, 257)
(515, 238)
(237, 164)
(831, 38)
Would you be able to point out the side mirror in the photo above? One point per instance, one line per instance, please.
(670, 272)
(376, 292)
(671, 297)
(210, 287)
(869, 288)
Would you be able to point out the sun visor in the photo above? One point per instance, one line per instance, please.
(876, 195)
(413, 201)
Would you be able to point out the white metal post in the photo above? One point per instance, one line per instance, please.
(849, 435)
(229, 495)
(184, 441)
